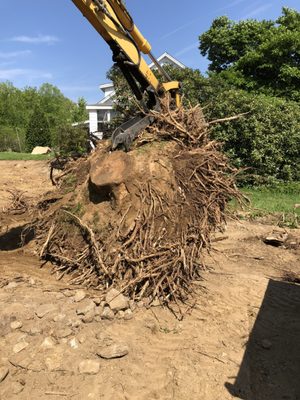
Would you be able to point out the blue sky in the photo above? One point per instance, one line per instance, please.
(50, 41)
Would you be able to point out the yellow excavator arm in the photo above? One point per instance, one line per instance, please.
(113, 22)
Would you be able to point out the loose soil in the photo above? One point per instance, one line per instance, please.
(240, 338)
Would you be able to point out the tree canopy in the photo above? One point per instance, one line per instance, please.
(257, 55)
(17, 108)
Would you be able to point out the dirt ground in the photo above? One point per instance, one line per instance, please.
(240, 339)
(31, 177)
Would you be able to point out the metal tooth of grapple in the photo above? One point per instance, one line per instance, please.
(125, 134)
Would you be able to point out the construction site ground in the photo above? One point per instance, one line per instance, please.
(239, 339)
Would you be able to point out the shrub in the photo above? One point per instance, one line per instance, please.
(267, 140)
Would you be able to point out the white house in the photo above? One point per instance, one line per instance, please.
(103, 112)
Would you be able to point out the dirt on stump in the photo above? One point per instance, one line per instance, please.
(139, 221)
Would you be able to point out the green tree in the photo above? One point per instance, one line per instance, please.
(257, 55)
(80, 113)
(72, 139)
(38, 131)
(126, 104)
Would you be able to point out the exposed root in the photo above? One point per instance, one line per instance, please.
(153, 227)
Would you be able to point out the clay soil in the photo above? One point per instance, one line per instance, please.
(240, 339)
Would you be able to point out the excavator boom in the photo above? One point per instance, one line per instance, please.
(113, 22)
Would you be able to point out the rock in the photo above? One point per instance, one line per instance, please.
(48, 342)
(11, 285)
(54, 363)
(266, 344)
(59, 296)
(35, 330)
(19, 360)
(113, 351)
(16, 325)
(140, 304)
(16, 387)
(74, 343)
(63, 333)
(132, 305)
(116, 300)
(20, 346)
(44, 309)
(79, 295)
(59, 317)
(41, 150)
(90, 367)
(276, 239)
(75, 323)
(3, 373)
(120, 314)
(155, 303)
(128, 314)
(107, 313)
(81, 338)
(97, 301)
(87, 306)
(89, 317)
(31, 281)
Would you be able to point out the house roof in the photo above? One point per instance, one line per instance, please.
(106, 86)
(109, 98)
(168, 57)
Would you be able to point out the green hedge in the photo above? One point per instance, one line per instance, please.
(266, 141)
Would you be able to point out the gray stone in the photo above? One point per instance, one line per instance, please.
(113, 351)
(90, 367)
(116, 300)
(19, 347)
(3, 373)
(87, 305)
(107, 313)
(16, 325)
(44, 309)
(79, 295)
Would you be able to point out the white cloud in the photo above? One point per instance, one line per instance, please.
(257, 11)
(13, 73)
(14, 54)
(48, 39)
(187, 49)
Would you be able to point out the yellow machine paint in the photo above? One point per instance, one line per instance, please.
(113, 22)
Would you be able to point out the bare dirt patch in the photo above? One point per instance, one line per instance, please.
(239, 340)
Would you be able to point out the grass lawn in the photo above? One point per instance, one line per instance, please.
(24, 156)
(279, 200)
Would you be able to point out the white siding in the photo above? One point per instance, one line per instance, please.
(93, 117)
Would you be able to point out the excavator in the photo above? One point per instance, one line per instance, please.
(113, 22)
